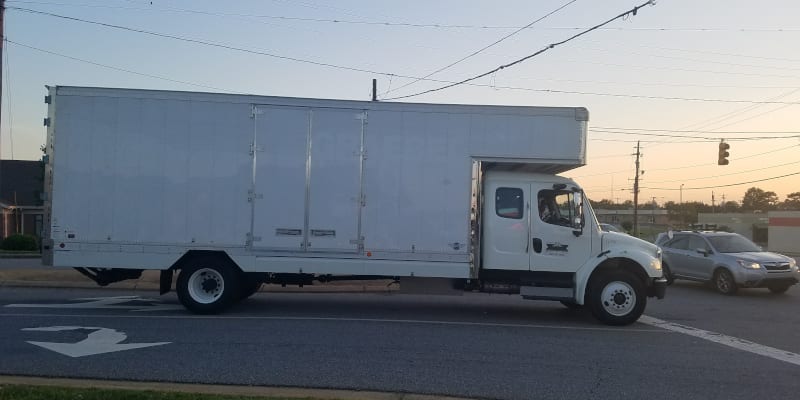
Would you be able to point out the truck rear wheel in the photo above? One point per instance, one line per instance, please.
(616, 298)
(208, 285)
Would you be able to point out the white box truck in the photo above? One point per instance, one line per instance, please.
(233, 191)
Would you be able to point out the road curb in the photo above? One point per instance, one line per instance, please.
(233, 390)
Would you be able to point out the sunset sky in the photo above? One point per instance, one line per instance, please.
(678, 76)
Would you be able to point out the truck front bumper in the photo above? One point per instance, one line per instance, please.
(658, 289)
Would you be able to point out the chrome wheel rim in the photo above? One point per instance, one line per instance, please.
(206, 285)
(618, 298)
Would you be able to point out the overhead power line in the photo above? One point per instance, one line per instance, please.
(396, 75)
(728, 185)
(206, 43)
(707, 138)
(118, 68)
(770, 152)
(700, 178)
(473, 54)
(633, 11)
(389, 23)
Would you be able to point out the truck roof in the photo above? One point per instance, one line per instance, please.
(580, 113)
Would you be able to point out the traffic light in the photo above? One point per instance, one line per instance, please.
(723, 153)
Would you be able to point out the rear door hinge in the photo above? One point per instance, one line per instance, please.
(254, 148)
(250, 239)
(252, 195)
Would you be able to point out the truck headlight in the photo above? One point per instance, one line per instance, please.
(656, 262)
(749, 264)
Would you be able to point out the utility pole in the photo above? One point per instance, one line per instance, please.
(636, 195)
(681, 206)
(2, 49)
(712, 203)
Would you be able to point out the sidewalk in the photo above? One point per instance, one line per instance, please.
(30, 273)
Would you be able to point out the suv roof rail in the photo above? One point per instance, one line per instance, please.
(699, 227)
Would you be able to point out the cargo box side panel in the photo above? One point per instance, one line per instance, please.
(549, 140)
(417, 184)
(165, 172)
(219, 174)
(72, 194)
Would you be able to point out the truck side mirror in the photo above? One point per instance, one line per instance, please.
(578, 222)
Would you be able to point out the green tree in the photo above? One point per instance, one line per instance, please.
(792, 202)
(729, 207)
(757, 199)
(606, 204)
(685, 213)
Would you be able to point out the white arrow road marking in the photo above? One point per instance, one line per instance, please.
(102, 340)
(736, 343)
(113, 303)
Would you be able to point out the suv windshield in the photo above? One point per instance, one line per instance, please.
(733, 244)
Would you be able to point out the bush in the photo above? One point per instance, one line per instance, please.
(20, 243)
(627, 225)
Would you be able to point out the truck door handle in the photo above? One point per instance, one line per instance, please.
(537, 245)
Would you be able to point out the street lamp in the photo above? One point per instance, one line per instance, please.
(681, 205)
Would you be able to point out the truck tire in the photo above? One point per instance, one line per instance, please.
(208, 285)
(616, 297)
(724, 282)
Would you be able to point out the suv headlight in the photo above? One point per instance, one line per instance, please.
(792, 263)
(749, 264)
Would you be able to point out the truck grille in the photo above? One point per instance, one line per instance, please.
(775, 266)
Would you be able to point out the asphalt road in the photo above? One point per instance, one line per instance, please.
(476, 345)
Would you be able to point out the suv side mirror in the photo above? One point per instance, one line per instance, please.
(703, 251)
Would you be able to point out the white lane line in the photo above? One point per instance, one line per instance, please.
(731, 341)
(334, 319)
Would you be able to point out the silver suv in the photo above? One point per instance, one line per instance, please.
(726, 260)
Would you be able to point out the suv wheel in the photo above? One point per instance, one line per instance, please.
(724, 282)
(668, 274)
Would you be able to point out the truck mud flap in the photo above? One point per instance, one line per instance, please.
(104, 276)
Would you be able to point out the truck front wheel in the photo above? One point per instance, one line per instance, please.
(616, 298)
(208, 286)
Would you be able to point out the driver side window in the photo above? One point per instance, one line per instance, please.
(556, 207)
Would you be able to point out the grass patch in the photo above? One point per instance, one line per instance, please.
(28, 392)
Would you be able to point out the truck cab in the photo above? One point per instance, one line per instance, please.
(540, 233)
